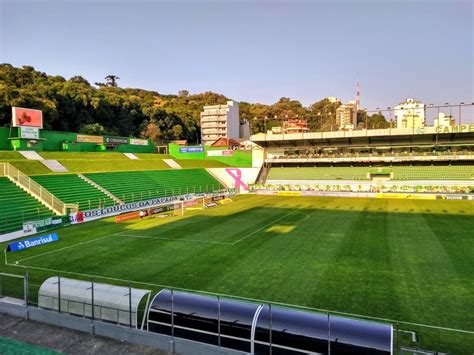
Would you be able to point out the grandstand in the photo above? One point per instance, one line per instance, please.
(17, 206)
(110, 178)
(440, 172)
(390, 155)
(141, 185)
(70, 188)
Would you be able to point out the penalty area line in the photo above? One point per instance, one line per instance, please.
(64, 248)
(320, 310)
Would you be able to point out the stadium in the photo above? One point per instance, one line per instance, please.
(343, 242)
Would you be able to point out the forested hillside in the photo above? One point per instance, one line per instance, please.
(76, 105)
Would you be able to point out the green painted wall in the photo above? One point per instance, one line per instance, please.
(54, 140)
(62, 141)
(4, 142)
(239, 158)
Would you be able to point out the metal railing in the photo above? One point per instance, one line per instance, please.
(408, 337)
(35, 189)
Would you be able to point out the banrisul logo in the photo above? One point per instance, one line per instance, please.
(32, 242)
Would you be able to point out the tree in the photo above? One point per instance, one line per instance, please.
(322, 115)
(151, 131)
(177, 131)
(79, 80)
(111, 80)
(92, 128)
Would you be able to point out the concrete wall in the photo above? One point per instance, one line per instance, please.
(118, 332)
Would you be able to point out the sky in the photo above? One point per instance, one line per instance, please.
(254, 51)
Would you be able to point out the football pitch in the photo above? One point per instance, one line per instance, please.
(407, 262)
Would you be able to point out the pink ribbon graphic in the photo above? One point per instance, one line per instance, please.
(236, 174)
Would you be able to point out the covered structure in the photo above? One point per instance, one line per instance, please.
(105, 302)
(257, 328)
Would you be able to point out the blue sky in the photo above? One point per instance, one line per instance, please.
(255, 51)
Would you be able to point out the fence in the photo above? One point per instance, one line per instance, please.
(146, 195)
(408, 338)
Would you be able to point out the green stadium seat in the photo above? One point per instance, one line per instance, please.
(70, 188)
(17, 206)
(454, 172)
(141, 185)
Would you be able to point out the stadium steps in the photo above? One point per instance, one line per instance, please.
(100, 188)
(142, 185)
(30, 155)
(70, 188)
(17, 206)
(54, 165)
(131, 156)
(172, 163)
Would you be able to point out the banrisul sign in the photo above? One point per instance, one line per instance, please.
(32, 242)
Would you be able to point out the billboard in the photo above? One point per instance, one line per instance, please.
(83, 138)
(219, 153)
(29, 132)
(191, 149)
(135, 141)
(27, 117)
(32, 242)
(116, 140)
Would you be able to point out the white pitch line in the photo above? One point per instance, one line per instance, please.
(68, 247)
(388, 320)
(173, 239)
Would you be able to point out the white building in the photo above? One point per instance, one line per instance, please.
(220, 121)
(443, 120)
(410, 114)
(346, 116)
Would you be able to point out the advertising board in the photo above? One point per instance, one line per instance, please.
(191, 149)
(32, 242)
(114, 141)
(84, 138)
(136, 141)
(29, 132)
(219, 153)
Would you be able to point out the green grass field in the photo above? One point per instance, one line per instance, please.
(409, 262)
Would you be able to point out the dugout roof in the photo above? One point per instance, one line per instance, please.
(115, 304)
(254, 328)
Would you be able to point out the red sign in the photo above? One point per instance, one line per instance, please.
(27, 117)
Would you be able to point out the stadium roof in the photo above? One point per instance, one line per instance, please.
(462, 134)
